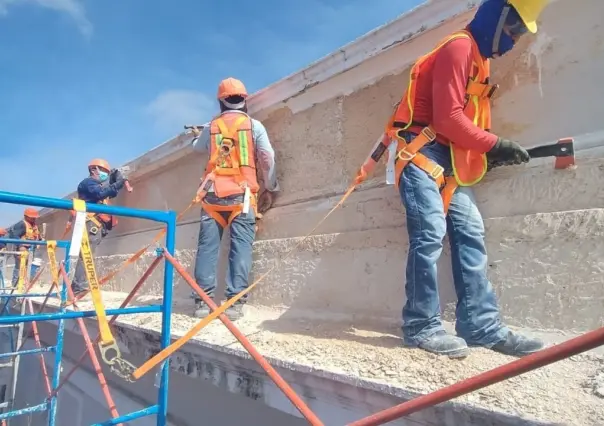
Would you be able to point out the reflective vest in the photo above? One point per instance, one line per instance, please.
(231, 169)
(32, 233)
(469, 167)
(232, 155)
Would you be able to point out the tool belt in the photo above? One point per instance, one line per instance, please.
(409, 152)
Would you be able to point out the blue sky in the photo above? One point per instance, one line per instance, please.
(114, 78)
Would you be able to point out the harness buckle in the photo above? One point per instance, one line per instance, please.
(492, 90)
(437, 171)
(428, 133)
(408, 155)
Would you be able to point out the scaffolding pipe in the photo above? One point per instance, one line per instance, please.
(28, 352)
(544, 357)
(270, 371)
(125, 303)
(14, 319)
(149, 411)
(90, 349)
(34, 327)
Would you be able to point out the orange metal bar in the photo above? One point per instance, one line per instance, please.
(270, 371)
(93, 358)
(34, 328)
(531, 362)
(26, 338)
(125, 303)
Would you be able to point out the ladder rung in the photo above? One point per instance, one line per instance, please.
(6, 364)
(4, 405)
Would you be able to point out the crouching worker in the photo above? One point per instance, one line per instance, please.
(102, 184)
(27, 229)
(228, 193)
(442, 127)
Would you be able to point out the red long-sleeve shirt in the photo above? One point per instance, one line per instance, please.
(440, 98)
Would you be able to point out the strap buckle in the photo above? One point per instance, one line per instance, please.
(428, 133)
(437, 171)
(492, 90)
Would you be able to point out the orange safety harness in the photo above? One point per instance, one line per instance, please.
(469, 167)
(32, 233)
(231, 169)
(99, 220)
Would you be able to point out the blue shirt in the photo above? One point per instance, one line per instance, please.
(265, 155)
(93, 191)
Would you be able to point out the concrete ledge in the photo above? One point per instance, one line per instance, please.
(345, 373)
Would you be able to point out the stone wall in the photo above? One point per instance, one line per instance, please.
(544, 227)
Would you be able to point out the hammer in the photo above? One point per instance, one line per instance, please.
(563, 151)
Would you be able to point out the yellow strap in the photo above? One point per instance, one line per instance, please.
(22, 271)
(52, 259)
(95, 290)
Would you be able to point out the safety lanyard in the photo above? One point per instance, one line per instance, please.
(22, 271)
(52, 259)
(108, 347)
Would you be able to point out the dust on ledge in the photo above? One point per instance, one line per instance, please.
(561, 393)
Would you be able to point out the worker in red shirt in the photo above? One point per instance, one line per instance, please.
(444, 146)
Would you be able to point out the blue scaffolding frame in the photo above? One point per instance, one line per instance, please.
(51, 403)
(160, 409)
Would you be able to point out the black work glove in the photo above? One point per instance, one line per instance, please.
(265, 202)
(506, 152)
(115, 176)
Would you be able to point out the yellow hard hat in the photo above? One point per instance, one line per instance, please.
(529, 11)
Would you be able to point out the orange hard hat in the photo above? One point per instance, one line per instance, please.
(99, 162)
(231, 87)
(2, 231)
(31, 213)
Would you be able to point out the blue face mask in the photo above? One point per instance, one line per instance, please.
(488, 30)
(103, 176)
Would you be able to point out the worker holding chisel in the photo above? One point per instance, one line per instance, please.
(228, 193)
(102, 184)
(441, 128)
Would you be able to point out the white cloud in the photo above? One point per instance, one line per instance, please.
(172, 109)
(73, 8)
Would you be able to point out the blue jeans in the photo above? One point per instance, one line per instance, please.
(243, 233)
(477, 314)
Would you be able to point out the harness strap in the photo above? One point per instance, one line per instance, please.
(481, 90)
(214, 211)
(409, 152)
(227, 148)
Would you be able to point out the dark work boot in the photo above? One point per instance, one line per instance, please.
(518, 345)
(442, 343)
(235, 312)
(202, 310)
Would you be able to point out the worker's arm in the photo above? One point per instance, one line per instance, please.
(450, 76)
(201, 143)
(265, 156)
(17, 231)
(92, 191)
